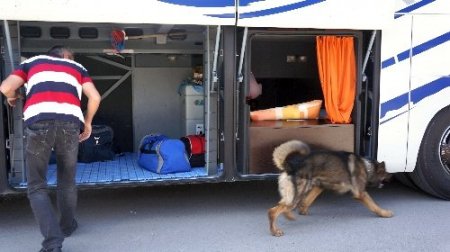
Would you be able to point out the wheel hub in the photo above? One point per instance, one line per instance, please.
(445, 154)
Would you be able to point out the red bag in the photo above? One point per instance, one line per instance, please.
(195, 148)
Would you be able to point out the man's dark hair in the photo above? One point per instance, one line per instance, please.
(58, 51)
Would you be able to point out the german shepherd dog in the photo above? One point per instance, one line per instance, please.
(305, 174)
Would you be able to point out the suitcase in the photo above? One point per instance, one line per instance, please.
(98, 147)
(195, 148)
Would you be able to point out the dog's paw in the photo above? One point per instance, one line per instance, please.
(386, 213)
(277, 232)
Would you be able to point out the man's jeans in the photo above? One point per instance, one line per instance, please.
(41, 137)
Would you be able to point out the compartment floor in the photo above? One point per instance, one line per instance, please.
(124, 168)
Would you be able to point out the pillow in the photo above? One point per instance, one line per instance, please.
(305, 110)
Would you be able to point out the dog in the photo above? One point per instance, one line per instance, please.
(305, 174)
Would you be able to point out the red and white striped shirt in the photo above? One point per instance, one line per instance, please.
(53, 89)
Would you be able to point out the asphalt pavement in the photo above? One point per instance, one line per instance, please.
(233, 217)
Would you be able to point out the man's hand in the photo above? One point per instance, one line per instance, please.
(86, 132)
(10, 88)
(13, 100)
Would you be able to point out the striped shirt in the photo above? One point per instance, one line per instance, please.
(53, 89)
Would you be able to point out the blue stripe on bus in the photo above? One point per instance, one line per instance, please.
(417, 95)
(403, 55)
(225, 15)
(393, 104)
(429, 89)
(412, 8)
(418, 49)
(246, 2)
(271, 11)
(387, 63)
(231, 3)
(210, 3)
(432, 43)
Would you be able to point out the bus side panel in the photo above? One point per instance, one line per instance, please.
(131, 11)
(430, 76)
(394, 95)
(422, 7)
(321, 14)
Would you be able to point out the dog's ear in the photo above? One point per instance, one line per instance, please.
(380, 168)
(381, 171)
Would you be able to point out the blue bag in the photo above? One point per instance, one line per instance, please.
(160, 154)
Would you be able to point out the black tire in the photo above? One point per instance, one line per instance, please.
(432, 172)
(405, 179)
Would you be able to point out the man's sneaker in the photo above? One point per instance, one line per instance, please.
(58, 249)
(68, 231)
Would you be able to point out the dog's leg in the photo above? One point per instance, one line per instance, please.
(304, 202)
(304, 205)
(366, 200)
(289, 200)
(273, 213)
(289, 215)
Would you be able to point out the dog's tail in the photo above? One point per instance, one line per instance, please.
(283, 151)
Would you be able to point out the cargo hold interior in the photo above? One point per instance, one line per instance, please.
(285, 64)
(154, 85)
(164, 84)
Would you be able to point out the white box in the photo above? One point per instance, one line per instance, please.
(193, 108)
(193, 90)
(192, 127)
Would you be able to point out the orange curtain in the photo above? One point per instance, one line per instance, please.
(337, 72)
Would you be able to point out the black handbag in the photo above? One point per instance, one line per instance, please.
(98, 147)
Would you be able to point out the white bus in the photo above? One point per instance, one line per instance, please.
(181, 56)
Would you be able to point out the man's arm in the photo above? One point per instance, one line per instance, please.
(10, 88)
(92, 106)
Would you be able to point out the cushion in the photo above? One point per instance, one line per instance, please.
(304, 110)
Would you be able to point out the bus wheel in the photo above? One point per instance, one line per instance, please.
(405, 179)
(432, 173)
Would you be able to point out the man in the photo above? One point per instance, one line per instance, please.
(52, 119)
(255, 89)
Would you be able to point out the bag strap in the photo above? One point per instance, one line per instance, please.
(160, 159)
(147, 147)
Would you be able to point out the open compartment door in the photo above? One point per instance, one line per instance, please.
(320, 14)
(14, 141)
(213, 39)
